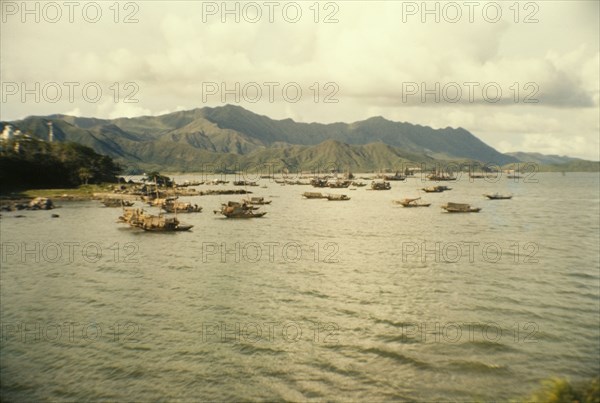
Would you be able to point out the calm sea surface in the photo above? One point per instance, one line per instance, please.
(330, 301)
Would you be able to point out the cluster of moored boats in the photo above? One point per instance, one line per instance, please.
(250, 207)
(139, 218)
(451, 207)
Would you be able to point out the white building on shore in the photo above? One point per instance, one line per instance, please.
(7, 133)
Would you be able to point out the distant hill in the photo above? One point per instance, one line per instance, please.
(542, 159)
(232, 136)
(557, 163)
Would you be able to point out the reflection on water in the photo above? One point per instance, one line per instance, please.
(353, 300)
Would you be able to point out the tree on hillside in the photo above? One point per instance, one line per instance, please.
(156, 177)
(39, 164)
(84, 175)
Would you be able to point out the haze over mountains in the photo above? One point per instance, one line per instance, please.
(233, 137)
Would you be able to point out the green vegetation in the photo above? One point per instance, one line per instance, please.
(562, 391)
(82, 192)
(160, 180)
(231, 138)
(29, 163)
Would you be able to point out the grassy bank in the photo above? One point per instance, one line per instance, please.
(559, 390)
(83, 192)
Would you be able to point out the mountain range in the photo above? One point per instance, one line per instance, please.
(233, 137)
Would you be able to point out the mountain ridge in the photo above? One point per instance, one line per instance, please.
(184, 140)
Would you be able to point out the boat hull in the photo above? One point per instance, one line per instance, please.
(243, 216)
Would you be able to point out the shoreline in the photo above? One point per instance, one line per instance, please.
(97, 192)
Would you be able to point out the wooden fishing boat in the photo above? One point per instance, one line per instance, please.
(257, 201)
(244, 214)
(332, 197)
(237, 210)
(496, 196)
(117, 203)
(436, 189)
(460, 208)
(412, 203)
(188, 183)
(156, 223)
(131, 215)
(380, 185)
(159, 202)
(339, 184)
(396, 177)
(313, 195)
(181, 207)
(161, 224)
(244, 183)
(238, 205)
(319, 183)
(440, 177)
(217, 182)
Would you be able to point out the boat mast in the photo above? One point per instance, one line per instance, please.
(157, 196)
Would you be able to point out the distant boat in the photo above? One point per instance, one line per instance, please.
(319, 183)
(339, 184)
(380, 185)
(138, 218)
(497, 196)
(313, 195)
(237, 210)
(244, 183)
(181, 207)
(460, 208)
(257, 200)
(161, 224)
(297, 182)
(157, 223)
(159, 202)
(439, 176)
(512, 174)
(243, 205)
(131, 215)
(117, 203)
(411, 203)
(396, 177)
(436, 189)
(187, 183)
(332, 197)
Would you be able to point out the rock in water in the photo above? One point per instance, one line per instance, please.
(41, 203)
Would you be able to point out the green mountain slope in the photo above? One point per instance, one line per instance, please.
(229, 134)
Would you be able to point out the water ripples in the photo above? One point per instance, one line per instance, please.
(375, 323)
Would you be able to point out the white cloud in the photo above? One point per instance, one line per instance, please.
(370, 53)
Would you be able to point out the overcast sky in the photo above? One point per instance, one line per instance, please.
(522, 76)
